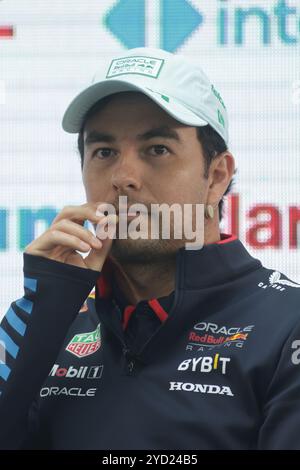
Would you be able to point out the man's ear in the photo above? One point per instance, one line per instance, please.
(221, 171)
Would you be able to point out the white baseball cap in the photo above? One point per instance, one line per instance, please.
(176, 84)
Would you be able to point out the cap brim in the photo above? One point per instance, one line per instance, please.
(77, 109)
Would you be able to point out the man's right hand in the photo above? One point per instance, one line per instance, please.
(67, 234)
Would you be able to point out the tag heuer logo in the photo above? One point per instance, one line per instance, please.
(149, 66)
(85, 344)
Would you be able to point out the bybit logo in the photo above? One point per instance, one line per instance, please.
(205, 364)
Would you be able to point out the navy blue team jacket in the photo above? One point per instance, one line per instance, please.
(213, 365)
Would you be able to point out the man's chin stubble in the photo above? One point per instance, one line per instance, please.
(141, 251)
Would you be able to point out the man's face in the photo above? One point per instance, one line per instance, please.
(148, 169)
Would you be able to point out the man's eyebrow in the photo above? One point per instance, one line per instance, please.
(162, 131)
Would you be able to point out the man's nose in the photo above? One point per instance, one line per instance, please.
(127, 174)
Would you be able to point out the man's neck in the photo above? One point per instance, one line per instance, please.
(138, 282)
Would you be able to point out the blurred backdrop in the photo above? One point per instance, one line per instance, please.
(51, 49)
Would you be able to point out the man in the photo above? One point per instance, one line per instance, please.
(177, 348)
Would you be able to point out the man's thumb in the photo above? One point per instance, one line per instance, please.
(96, 258)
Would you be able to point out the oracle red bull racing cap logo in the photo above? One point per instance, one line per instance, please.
(85, 344)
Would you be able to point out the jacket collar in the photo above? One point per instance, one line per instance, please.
(213, 264)
(200, 276)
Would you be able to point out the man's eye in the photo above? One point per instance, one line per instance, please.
(159, 150)
(105, 152)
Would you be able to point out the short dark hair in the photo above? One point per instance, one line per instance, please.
(212, 144)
